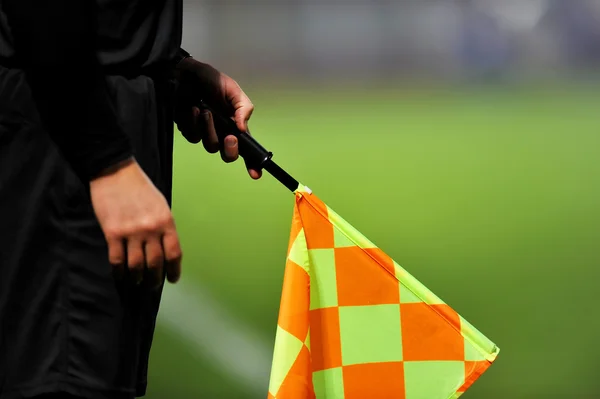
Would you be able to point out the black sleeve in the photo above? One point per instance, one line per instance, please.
(181, 55)
(55, 44)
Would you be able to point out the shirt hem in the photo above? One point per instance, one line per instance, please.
(75, 389)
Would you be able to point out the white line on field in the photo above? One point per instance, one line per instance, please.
(214, 333)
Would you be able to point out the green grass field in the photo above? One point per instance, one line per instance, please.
(491, 198)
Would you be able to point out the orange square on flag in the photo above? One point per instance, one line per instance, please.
(363, 281)
(374, 380)
(325, 341)
(427, 336)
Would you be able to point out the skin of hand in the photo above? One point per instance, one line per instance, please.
(138, 225)
(133, 214)
(226, 96)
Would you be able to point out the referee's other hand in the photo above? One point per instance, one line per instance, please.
(138, 225)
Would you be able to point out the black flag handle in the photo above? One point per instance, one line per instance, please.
(255, 155)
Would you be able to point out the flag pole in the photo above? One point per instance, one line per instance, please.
(281, 175)
(256, 156)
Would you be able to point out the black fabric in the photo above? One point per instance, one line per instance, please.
(62, 395)
(132, 36)
(65, 323)
(66, 46)
(56, 47)
(59, 395)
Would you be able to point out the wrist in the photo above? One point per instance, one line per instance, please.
(192, 65)
(111, 170)
(180, 56)
(199, 75)
(178, 64)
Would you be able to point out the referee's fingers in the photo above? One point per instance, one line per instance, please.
(154, 263)
(135, 259)
(116, 256)
(187, 123)
(210, 138)
(230, 151)
(173, 255)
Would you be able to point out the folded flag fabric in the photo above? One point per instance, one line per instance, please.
(353, 324)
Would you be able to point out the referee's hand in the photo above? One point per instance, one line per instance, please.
(226, 95)
(138, 225)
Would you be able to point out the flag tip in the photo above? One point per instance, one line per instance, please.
(302, 189)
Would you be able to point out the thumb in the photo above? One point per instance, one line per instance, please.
(243, 112)
(241, 117)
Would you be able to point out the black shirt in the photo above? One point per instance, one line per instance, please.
(67, 47)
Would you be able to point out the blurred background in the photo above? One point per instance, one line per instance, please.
(459, 136)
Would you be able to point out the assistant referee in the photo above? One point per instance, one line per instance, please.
(89, 93)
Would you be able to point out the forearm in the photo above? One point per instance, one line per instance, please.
(55, 45)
